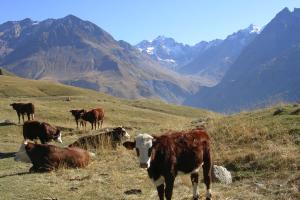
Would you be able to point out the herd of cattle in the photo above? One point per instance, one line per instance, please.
(163, 156)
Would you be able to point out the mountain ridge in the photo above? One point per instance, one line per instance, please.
(78, 52)
(266, 72)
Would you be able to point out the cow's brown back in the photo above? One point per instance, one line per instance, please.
(39, 130)
(46, 157)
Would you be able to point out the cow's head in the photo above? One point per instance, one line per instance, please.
(143, 145)
(57, 136)
(14, 105)
(119, 134)
(21, 155)
(76, 113)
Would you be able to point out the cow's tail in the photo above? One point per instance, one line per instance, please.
(207, 168)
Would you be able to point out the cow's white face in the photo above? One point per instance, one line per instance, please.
(126, 135)
(21, 155)
(58, 139)
(143, 144)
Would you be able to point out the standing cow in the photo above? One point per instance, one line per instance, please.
(33, 130)
(168, 155)
(94, 116)
(22, 109)
(77, 115)
(46, 157)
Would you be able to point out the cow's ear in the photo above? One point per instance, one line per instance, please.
(129, 145)
(154, 138)
(28, 146)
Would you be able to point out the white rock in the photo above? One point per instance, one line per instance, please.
(221, 174)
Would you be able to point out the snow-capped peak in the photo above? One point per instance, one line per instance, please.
(254, 29)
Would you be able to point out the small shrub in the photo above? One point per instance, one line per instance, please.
(295, 133)
(296, 112)
(278, 111)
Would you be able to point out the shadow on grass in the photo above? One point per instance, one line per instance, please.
(14, 174)
(7, 155)
(8, 124)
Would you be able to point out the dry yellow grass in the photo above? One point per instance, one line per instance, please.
(261, 150)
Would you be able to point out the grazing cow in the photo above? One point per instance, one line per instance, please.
(171, 154)
(114, 137)
(45, 158)
(33, 130)
(77, 116)
(22, 109)
(94, 116)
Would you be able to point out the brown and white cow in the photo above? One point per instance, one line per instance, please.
(77, 116)
(45, 158)
(24, 108)
(113, 138)
(33, 130)
(94, 116)
(167, 155)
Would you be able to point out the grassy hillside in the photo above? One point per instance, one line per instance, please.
(5, 72)
(260, 149)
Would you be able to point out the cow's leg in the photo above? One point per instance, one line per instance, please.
(161, 191)
(33, 169)
(32, 116)
(23, 117)
(92, 125)
(101, 123)
(194, 179)
(28, 116)
(19, 117)
(43, 141)
(207, 165)
(169, 187)
(76, 123)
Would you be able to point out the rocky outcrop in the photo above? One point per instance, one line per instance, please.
(221, 174)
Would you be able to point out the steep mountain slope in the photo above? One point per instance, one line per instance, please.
(216, 60)
(79, 53)
(267, 71)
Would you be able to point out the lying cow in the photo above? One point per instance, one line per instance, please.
(94, 116)
(114, 137)
(45, 158)
(22, 109)
(77, 115)
(168, 155)
(33, 130)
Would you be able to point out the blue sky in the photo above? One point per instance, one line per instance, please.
(187, 21)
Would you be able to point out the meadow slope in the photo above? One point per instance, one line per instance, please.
(261, 150)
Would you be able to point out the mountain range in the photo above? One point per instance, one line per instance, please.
(267, 71)
(205, 59)
(250, 68)
(79, 53)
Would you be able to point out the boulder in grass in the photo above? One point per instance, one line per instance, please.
(221, 174)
